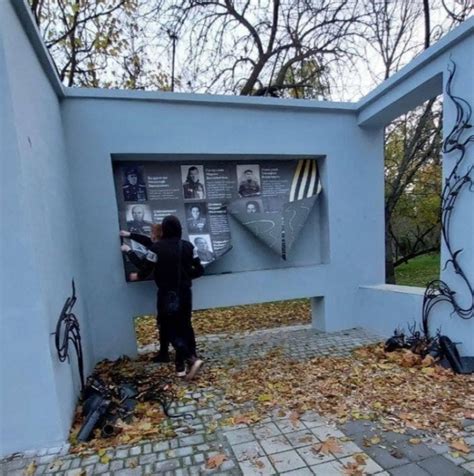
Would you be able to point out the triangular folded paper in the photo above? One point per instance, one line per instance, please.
(265, 226)
(279, 230)
(295, 215)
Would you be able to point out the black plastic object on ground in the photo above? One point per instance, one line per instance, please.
(98, 407)
(397, 341)
(461, 365)
(107, 401)
(103, 405)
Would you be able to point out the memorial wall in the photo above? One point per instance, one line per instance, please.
(272, 199)
(79, 161)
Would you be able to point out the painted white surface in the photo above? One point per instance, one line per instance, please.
(59, 215)
(39, 251)
(462, 221)
(181, 131)
(384, 308)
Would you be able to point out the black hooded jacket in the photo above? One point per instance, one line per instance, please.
(163, 258)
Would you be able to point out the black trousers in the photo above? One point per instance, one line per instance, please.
(177, 328)
(164, 341)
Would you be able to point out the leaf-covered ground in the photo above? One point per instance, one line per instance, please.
(398, 390)
(234, 319)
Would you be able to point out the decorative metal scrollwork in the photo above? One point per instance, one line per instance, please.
(456, 142)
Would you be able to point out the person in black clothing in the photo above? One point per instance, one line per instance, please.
(147, 241)
(175, 264)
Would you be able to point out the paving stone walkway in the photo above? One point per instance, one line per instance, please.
(277, 445)
(296, 342)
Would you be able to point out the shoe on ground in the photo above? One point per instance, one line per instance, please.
(195, 367)
(162, 359)
(181, 373)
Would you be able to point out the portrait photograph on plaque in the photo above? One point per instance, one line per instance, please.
(196, 218)
(193, 182)
(203, 246)
(248, 179)
(133, 187)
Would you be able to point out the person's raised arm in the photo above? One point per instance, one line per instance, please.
(133, 257)
(141, 239)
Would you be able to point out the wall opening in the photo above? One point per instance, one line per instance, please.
(413, 185)
(230, 320)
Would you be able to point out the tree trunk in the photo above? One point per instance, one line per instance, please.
(389, 266)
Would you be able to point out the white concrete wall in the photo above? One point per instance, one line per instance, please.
(177, 127)
(401, 93)
(462, 221)
(384, 308)
(59, 214)
(39, 252)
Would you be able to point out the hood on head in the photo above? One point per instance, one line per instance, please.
(171, 227)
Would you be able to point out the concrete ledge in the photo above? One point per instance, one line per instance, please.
(384, 307)
(209, 99)
(426, 57)
(27, 20)
(395, 289)
(361, 108)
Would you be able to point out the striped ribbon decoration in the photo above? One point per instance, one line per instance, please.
(306, 181)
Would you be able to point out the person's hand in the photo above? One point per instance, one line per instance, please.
(133, 276)
(125, 248)
(124, 234)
